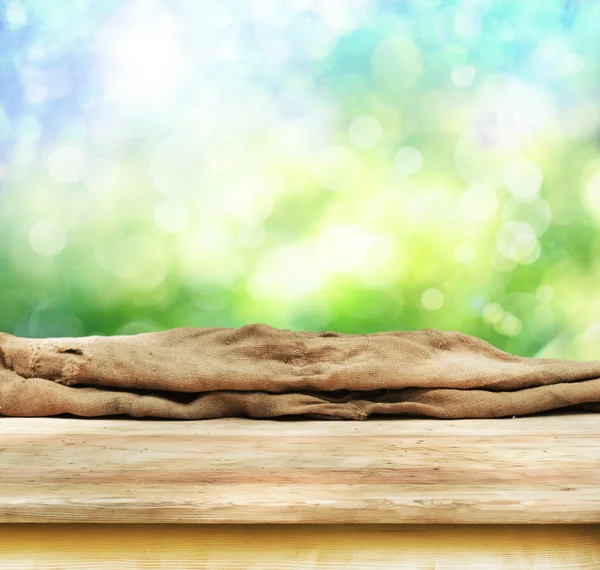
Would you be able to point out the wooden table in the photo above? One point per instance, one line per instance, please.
(390, 493)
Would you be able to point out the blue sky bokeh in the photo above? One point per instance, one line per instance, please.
(354, 165)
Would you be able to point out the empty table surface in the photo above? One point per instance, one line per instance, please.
(536, 469)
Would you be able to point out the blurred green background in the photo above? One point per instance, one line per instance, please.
(353, 165)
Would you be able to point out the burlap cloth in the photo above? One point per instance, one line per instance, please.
(262, 372)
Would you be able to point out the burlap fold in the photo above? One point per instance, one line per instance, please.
(262, 372)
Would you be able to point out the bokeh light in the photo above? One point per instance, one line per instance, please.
(356, 166)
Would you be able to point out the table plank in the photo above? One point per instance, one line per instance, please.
(537, 469)
(299, 547)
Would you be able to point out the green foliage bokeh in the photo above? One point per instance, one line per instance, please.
(358, 166)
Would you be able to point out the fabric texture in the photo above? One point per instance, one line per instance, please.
(259, 371)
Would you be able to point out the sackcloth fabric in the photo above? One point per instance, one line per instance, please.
(259, 371)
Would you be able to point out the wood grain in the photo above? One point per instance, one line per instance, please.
(299, 547)
(542, 469)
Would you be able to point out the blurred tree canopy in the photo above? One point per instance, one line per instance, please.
(353, 166)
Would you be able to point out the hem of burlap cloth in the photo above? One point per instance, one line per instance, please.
(71, 366)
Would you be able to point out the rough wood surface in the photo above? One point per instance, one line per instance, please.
(299, 547)
(543, 469)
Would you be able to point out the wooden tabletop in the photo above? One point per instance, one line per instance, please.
(537, 469)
